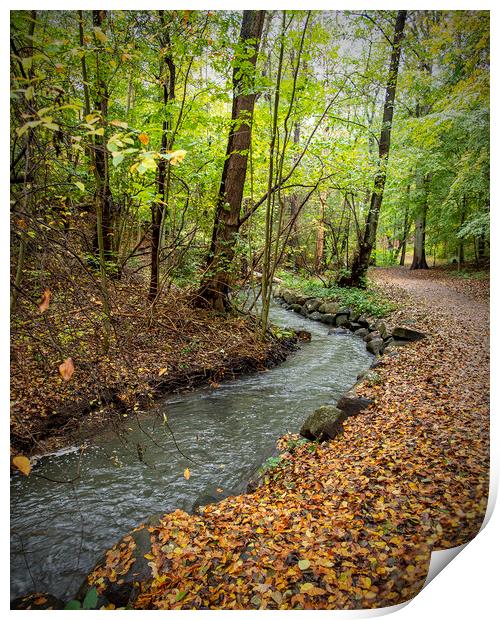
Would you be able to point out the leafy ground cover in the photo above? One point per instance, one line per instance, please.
(351, 523)
(370, 300)
(63, 384)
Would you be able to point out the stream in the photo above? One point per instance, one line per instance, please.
(60, 530)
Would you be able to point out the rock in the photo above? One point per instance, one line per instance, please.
(313, 304)
(362, 332)
(341, 319)
(410, 335)
(37, 600)
(371, 336)
(296, 308)
(339, 330)
(329, 319)
(355, 326)
(381, 327)
(329, 307)
(303, 311)
(124, 590)
(363, 321)
(388, 342)
(289, 297)
(324, 423)
(303, 335)
(354, 316)
(277, 292)
(302, 299)
(351, 404)
(375, 346)
(315, 316)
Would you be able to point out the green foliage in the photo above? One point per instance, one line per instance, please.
(89, 602)
(363, 300)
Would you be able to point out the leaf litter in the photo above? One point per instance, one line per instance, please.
(349, 524)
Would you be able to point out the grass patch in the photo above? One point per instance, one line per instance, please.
(368, 301)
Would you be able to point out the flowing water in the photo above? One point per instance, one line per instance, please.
(59, 530)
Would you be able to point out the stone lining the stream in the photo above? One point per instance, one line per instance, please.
(374, 332)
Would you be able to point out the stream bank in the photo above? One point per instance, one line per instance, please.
(222, 434)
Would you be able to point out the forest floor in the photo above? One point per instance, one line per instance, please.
(177, 347)
(349, 523)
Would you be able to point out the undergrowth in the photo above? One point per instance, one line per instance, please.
(368, 300)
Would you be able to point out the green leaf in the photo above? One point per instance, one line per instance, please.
(73, 605)
(304, 564)
(117, 159)
(90, 600)
(180, 595)
(80, 186)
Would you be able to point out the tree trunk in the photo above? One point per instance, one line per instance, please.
(215, 286)
(361, 259)
(158, 208)
(101, 153)
(406, 229)
(293, 241)
(419, 259)
(320, 237)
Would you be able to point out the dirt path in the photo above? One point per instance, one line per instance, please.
(439, 289)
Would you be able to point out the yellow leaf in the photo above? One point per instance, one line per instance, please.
(162, 371)
(187, 473)
(99, 35)
(149, 556)
(177, 156)
(304, 564)
(144, 138)
(117, 123)
(67, 368)
(45, 301)
(23, 464)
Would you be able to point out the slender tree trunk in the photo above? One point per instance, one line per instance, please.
(23, 238)
(419, 258)
(215, 286)
(320, 237)
(158, 208)
(406, 228)
(461, 253)
(101, 153)
(294, 206)
(361, 259)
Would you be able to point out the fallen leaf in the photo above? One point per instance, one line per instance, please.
(187, 473)
(304, 564)
(22, 463)
(45, 301)
(66, 369)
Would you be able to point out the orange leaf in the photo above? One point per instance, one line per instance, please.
(23, 464)
(67, 368)
(187, 473)
(45, 301)
(162, 371)
(144, 138)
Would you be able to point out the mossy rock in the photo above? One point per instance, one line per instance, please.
(323, 424)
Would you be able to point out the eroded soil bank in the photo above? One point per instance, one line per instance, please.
(178, 348)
